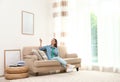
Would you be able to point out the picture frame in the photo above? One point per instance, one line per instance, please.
(27, 23)
(11, 57)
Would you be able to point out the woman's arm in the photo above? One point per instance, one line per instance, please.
(40, 42)
(43, 48)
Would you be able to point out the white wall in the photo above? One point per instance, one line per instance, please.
(10, 25)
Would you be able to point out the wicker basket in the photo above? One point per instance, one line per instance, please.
(16, 72)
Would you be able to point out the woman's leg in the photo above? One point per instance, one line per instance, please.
(59, 59)
(69, 68)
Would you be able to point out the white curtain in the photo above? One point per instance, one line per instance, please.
(78, 32)
(108, 28)
(78, 39)
(109, 35)
(60, 21)
(77, 28)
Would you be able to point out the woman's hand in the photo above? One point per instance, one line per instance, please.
(40, 42)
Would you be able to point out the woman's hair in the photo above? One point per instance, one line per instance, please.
(55, 42)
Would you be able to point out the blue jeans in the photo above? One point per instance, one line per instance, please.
(60, 60)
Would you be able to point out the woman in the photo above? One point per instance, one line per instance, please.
(52, 54)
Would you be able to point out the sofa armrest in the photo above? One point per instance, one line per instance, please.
(73, 55)
(29, 61)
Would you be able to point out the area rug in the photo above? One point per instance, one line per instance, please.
(81, 76)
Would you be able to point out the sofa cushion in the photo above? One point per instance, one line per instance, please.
(35, 51)
(73, 60)
(42, 54)
(48, 63)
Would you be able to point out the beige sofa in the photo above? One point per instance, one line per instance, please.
(44, 66)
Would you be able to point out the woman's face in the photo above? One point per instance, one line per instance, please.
(53, 41)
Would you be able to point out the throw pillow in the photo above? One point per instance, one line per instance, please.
(43, 55)
(34, 51)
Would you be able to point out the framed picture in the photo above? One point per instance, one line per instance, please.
(11, 57)
(27, 23)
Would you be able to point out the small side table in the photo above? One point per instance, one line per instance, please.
(16, 72)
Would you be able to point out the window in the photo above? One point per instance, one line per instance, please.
(93, 20)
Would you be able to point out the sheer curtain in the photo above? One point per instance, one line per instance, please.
(109, 35)
(60, 19)
(74, 30)
(76, 26)
(108, 28)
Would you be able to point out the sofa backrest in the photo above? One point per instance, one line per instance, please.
(62, 51)
(28, 50)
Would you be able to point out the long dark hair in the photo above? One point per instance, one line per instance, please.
(55, 45)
